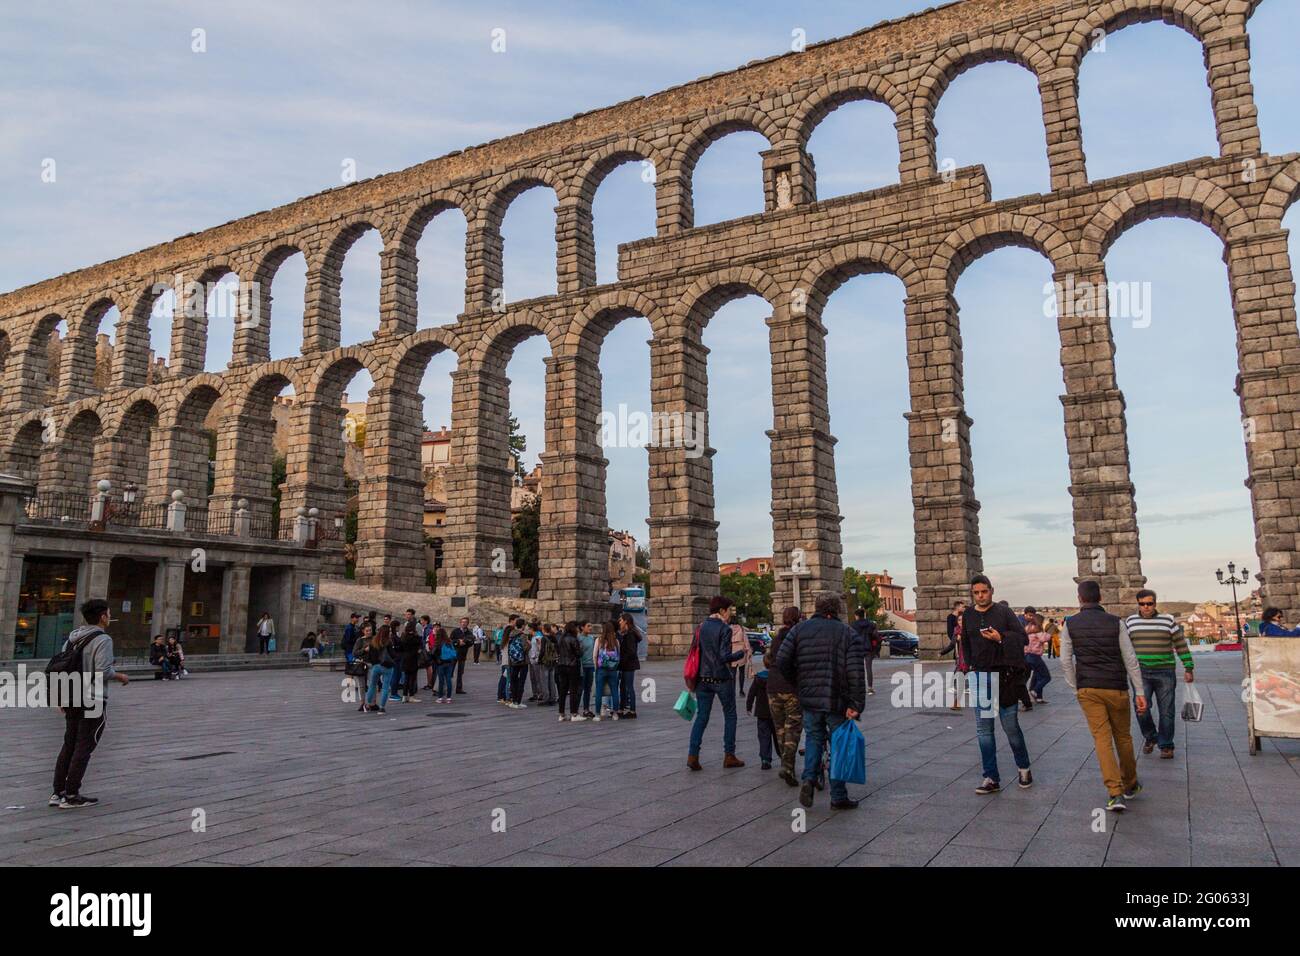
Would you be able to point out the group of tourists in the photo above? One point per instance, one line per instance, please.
(814, 672)
(576, 667)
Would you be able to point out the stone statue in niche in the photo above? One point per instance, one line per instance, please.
(784, 199)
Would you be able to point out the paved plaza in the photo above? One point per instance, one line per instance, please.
(283, 773)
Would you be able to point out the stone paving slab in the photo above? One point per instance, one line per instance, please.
(289, 774)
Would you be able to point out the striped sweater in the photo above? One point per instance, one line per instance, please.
(1156, 639)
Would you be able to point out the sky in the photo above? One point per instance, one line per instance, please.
(159, 119)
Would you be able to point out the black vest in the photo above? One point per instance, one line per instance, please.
(1094, 634)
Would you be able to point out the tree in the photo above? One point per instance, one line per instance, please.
(752, 595)
(518, 444)
(642, 557)
(525, 529)
(868, 597)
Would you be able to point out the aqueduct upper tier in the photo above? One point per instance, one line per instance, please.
(925, 230)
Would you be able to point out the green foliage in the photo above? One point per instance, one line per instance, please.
(642, 578)
(518, 445)
(868, 597)
(752, 595)
(642, 557)
(525, 529)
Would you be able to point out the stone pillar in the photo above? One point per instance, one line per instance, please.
(95, 572)
(398, 289)
(189, 329)
(483, 255)
(805, 501)
(683, 532)
(945, 514)
(321, 317)
(916, 146)
(12, 492)
(1059, 92)
(252, 335)
(573, 558)
(789, 178)
(575, 246)
(1227, 62)
(1268, 385)
(674, 210)
(478, 550)
(24, 386)
(1106, 539)
(390, 517)
(180, 457)
(131, 348)
(234, 609)
(170, 602)
(314, 467)
(244, 452)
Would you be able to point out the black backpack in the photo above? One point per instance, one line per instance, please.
(68, 660)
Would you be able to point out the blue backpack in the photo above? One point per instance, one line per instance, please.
(448, 653)
(516, 650)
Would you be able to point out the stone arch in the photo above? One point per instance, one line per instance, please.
(408, 360)
(513, 184)
(335, 369)
(322, 316)
(1283, 190)
(680, 175)
(1181, 197)
(131, 438)
(833, 94)
(825, 274)
(400, 271)
(499, 340)
(70, 467)
(598, 317)
(709, 293)
(1193, 16)
(990, 233)
(141, 401)
(264, 384)
(245, 440)
(412, 223)
(183, 453)
(131, 352)
(608, 158)
(255, 344)
(22, 453)
(78, 367)
(190, 406)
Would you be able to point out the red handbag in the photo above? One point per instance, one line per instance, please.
(691, 669)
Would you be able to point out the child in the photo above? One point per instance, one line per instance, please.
(756, 704)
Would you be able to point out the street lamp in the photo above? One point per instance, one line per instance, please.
(128, 493)
(1233, 580)
(853, 592)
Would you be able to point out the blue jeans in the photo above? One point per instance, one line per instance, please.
(588, 674)
(503, 683)
(445, 671)
(607, 679)
(1040, 675)
(1010, 720)
(627, 690)
(380, 675)
(704, 695)
(1158, 686)
(820, 725)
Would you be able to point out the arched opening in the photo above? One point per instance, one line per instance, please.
(135, 471)
(1013, 151)
(1011, 360)
(441, 270)
(727, 178)
(1176, 363)
(220, 297)
(854, 148)
(623, 210)
(528, 252)
(1144, 101)
(190, 460)
(526, 437)
(1275, 73)
(49, 373)
(22, 456)
(739, 414)
(70, 469)
(249, 433)
(359, 286)
(100, 340)
(162, 317)
(283, 312)
(868, 396)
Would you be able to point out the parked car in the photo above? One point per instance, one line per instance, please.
(901, 643)
(758, 642)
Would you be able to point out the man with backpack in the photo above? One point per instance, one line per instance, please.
(88, 652)
(869, 635)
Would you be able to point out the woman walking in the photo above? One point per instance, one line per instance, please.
(568, 670)
(377, 652)
(444, 654)
(605, 657)
(1040, 676)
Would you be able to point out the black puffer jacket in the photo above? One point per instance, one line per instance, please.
(822, 657)
(568, 651)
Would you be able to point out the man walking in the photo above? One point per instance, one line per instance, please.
(716, 682)
(992, 647)
(1097, 659)
(1156, 638)
(821, 658)
(350, 634)
(462, 639)
(869, 637)
(83, 725)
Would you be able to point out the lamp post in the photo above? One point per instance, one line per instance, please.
(853, 591)
(128, 493)
(1233, 580)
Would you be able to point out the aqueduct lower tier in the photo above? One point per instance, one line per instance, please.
(925, 230)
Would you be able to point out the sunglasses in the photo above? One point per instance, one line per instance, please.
(1146, 603)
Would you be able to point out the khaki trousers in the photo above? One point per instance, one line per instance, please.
(1107, 712)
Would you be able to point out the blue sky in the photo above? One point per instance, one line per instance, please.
(152, 140)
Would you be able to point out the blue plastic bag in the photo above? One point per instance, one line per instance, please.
(848, 754)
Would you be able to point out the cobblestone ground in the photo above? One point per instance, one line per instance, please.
(287, 774)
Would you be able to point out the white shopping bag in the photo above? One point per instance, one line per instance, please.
(1192, 704)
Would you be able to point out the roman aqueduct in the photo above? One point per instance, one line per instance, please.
(925, 230)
